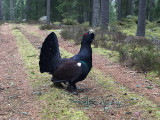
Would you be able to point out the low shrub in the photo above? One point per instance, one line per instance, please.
(85, 24)
(74, 33)
(67, 35)
(141, 54)
(49, 27)
(67, 21)
(57, 23)
(108, 39)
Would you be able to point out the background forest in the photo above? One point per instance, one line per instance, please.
(80, 10)
(124, 82)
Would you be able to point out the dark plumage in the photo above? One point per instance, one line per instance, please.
(67, 70)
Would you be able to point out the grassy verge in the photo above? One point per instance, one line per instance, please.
(54, 102)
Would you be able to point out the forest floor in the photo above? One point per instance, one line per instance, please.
(110, 92)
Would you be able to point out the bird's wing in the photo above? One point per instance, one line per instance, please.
(68, 71)
(49, 55)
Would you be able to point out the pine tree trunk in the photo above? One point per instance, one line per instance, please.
(104, 14)
(141, 18)
(1, 18)
(119, 16)
(150, 10)
(28, 10)
(11, 10)
(95, 18)
(37, 10)
(48, 12)
(85, 16)
(131, 7)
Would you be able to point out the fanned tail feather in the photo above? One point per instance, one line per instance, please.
(50, 55)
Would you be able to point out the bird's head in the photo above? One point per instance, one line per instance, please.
(88, 37)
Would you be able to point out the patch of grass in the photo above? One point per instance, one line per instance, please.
(54, 102)
(111, 55)
(154, 76)
(67, 21)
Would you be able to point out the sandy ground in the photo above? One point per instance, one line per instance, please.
(16, 101)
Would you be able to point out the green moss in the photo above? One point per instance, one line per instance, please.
(57, 23)
(112, 55)
(129, 27)
(67, 21)
(85, 24)
(154, 76)
(129, 32)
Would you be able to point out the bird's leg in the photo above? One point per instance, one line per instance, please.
(57, 84)
(72, 88)
(52, 79)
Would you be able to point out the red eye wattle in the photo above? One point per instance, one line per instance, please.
(85, 34)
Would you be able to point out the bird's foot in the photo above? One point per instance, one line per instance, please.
(58, 85)
(66, 83)
(72, 89)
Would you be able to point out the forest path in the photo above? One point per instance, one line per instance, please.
(16, 99)
(123, 77)
(110, 91)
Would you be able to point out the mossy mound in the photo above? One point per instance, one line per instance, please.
(67, 21)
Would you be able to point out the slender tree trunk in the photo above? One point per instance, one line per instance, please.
(11, 10)
(131, 7)
(127, 8)
(104, 14)
(90, 13)
(119, 16)
(85, 17)
(37, 10)
(95, 19)
(150, 10)
(48, 12)
(85, 11)
(141, 18)
(28, 9)
(1, 17)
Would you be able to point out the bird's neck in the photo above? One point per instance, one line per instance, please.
(87, 47)
(86, 54)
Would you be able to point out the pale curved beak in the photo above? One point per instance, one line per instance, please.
(90, 31)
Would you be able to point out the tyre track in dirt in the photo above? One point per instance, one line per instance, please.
(123, 76)
(16, 101)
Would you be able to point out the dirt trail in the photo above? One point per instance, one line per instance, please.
(16, 99)
(128, 78)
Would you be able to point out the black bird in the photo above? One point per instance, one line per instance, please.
(66, 70)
